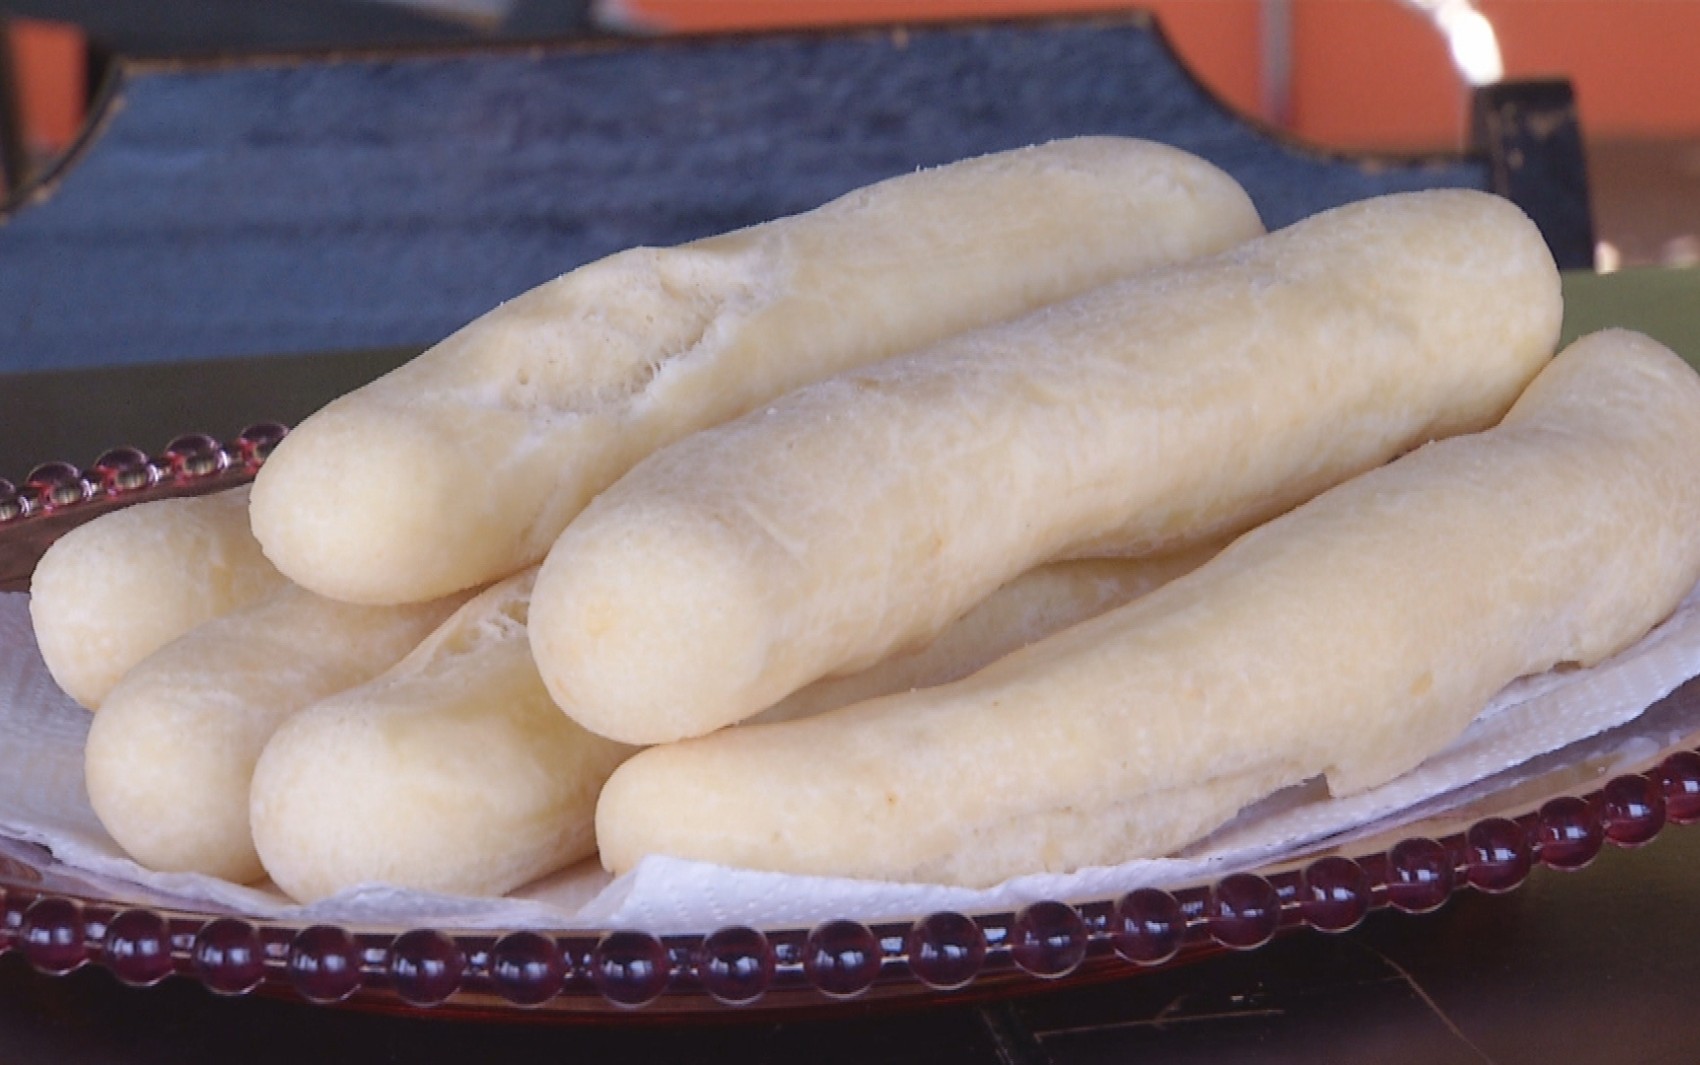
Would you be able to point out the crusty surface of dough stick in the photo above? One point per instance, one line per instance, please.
(108, 594)
(1352, 638)
(463, 466)
(866, 511)
(452, 772)
(171, 754)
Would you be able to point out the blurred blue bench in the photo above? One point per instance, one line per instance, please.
(326, 202)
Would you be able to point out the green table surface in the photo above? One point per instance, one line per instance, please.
(1663, 303)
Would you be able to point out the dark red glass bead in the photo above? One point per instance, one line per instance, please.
(1336, 893)
(946, 950)
(735, 965)
(1497, 854)
(1679, 776)
(51, 935)
(229, 956)
(190, 443)
(53, 475)
(425, 967)
(324, 963)
(1148, 926)
(1420, 876)
(1048, 939)
(193, 454)
(842, 958)
(57, 484)
(527, 968)
(1570, 834)
(138, 947)
(121, 469)
(630, 968)
(1244, 911)
(256, 442)
(1632, 810)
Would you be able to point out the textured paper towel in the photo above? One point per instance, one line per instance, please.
(43, 801)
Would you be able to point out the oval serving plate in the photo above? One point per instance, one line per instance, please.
(1559, 810)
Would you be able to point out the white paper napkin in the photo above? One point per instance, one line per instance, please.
(43, 800)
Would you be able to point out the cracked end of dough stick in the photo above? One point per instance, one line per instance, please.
(452, 772)
(171, 753)
(108, 594)
(1350, 638)
(867, 511)
(463, 466)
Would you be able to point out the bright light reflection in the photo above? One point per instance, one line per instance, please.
(1607, 259)
(1469, 36)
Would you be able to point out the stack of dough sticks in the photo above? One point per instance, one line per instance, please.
(929, 499)
(538, 405)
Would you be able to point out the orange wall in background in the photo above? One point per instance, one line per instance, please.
(1364, 73)
(1373, 74)
(1222, 43)
(1636, 63)
(49, 64)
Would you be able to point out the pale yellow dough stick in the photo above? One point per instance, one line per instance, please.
(1350, 638)
(455, 772)
(109, 593)
(867, 511)
(171, 754)
(463, 466)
